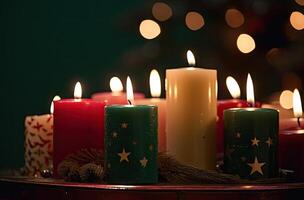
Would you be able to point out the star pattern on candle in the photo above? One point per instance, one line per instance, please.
(124, 125)
(143, 162)
(255, 141)
(114, 134)
(238, 135)
(124, 155)
(269, 142)
(256, 166)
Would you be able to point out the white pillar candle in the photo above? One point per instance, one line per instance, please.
(38, 143)
(191, 115)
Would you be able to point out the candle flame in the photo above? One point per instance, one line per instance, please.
(78, 91)
(56, 98)
(190, 58)
(116, 85)
(233, 87)
(297, 105)
(130, 96)
(155, 85)
(250, 90)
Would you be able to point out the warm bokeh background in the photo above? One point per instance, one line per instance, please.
(46, 46)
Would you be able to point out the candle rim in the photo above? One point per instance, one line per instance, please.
(192, 69)
(130, 106)
(251, 109)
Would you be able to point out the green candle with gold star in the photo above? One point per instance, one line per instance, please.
(251, 141)
(131, 143)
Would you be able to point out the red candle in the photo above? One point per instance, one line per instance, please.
(291, 148)
(222, 105)
(116, 96)
(78, 124)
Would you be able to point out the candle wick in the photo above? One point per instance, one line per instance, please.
(129, 101)
(299, 123)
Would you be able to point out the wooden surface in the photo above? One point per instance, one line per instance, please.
(34, 188)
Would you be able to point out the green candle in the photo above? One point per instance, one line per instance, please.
(251, 142)
(131, 142)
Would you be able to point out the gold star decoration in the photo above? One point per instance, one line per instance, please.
(238, 135)
(124, 125)
(114, 134)
(151, 147)
(143, 162)
(256, 166)
(255, 141)
(124, 155)
(269, 141)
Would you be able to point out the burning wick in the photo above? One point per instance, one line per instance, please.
(299, 123)
(130, 103)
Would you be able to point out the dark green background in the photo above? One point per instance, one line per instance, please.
(45, 47)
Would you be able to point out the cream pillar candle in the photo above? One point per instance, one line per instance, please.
(155, 89)
(191, 115)
(38, 143)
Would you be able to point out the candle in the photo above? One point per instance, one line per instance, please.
(38, 143)
(155, 89)
(78, 124)
(131, 142)
(251, 140)
(191, 115)
(222, 105)
(291, 149)
(116, 96)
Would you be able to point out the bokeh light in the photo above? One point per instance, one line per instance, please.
(161, 11)
(297, 20)
(300, 2)
(194, 21)
(245, 43)
(286, 99)
(149, 29)
(234, 18)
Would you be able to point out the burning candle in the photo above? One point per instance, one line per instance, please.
(78, 124)
(117, 96)
(234, 89)
(251, 140)
(291, 149)
(155, 89)
(38, 143)
(131, 142)
(191, 115)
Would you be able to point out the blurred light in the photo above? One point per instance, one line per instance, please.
(286, 99)
(297, 20)
(194, 21)
(149, 29)
(116, 85)
(161, 11)
(300, 2)
(234, 18)
(245, 43)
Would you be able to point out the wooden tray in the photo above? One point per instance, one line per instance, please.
(38, 188)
